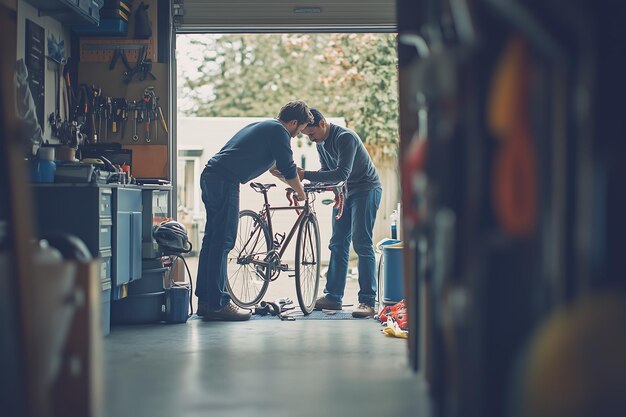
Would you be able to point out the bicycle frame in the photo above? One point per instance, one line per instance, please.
(266, 213)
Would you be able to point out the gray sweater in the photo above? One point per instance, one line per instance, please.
(344, 158)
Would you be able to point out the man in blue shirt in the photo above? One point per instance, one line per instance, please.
(252, 151)
(344, 158)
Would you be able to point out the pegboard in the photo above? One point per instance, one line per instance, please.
(101, 50)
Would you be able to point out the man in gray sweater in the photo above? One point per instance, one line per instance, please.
(344, 158)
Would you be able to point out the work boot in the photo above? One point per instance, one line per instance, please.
(363, 311)
(324, 303)
(203, 308)
(228, 313)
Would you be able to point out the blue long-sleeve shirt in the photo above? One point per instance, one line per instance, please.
(253, 150)
(344, 158)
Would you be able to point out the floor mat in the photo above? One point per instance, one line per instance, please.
(316, 315)
(297, 314)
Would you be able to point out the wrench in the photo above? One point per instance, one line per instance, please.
(148, 131)
(135, 137)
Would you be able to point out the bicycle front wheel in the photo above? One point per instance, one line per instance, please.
(308, 263)
(248, 280)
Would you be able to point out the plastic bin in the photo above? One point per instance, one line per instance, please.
(106, 27)
(106, 307)
(392, 270)
(138, 309)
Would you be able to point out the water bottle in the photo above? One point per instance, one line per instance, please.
(394, 225)
(44, 167)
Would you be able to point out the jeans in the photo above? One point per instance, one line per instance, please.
(221, 201)
(355, 225)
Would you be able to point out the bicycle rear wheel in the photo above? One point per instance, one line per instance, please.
(247, 280)
(308, 263)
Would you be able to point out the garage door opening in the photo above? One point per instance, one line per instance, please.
(227, 81)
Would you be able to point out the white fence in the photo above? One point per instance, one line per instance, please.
(200, 138)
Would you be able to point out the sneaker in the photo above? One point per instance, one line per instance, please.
(324, 303)
(203, 309)
(363, 311)
(231, 312)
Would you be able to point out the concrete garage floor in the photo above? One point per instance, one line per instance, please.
(263, 367)
(317, 368)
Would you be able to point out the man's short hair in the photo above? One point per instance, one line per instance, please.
(296, 110)
(317, 117)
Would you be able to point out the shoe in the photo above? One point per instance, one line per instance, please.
(324, 303)
(363, 311)
(203, 309)
(228, 313)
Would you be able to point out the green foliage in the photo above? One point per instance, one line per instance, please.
(344, 75)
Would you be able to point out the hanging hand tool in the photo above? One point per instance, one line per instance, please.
(71, 98)
(119, 53)
(95, 107)
(143, 67)
(162, 119)
(107, 116)
(115, 116)
(135, 121)
(147, 121)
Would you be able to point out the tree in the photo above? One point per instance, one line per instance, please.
(347, 75)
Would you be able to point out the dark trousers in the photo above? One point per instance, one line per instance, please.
(221, 201)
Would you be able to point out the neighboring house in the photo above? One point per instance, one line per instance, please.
(199, 138)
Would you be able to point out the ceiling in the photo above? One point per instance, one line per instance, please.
(288, 16)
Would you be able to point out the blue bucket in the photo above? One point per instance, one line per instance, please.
(177, 304)
(393, 271)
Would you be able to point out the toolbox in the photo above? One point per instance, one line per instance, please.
(124, 5)
(114, 14)
(107, 27)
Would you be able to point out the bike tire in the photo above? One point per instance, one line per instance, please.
(308, 263)
(247, 283)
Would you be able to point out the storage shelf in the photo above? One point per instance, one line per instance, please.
(66, 11)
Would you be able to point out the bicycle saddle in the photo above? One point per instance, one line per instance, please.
(258, 187)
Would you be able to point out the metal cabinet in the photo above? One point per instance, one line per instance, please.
(70, 11)
(127, 208)
(107, 218)
(83, 211)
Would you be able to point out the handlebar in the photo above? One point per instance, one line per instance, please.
(318, 187)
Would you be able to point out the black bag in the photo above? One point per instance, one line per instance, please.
(143, 27)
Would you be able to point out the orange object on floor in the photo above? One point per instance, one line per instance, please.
(397, 312)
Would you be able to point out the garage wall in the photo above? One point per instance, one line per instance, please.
(52, 27)
(281, 15)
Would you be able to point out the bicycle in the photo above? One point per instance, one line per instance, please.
(256, 256)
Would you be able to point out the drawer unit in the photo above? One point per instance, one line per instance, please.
(106, 307)
(106, 203)
(105, 235)
(77, 210)
(105, 268)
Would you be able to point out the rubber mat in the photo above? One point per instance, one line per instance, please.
(297, 314)
(316, 315)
